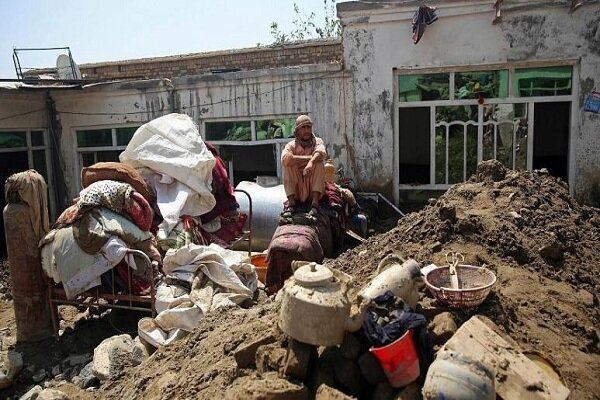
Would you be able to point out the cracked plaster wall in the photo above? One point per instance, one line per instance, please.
(376, 42)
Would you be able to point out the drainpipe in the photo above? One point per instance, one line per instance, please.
(60, 187)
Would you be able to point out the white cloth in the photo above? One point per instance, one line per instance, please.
(171, 145)
(64, 261)
(175, 199)
(221, 278)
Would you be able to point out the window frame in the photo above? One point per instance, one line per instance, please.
(79, 151)
(512, 98)
(279, 143)
(30, 148)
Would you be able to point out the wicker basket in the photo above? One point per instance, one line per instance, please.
(475, 285)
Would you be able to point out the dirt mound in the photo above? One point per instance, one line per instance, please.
(542, 245)
(523, 218)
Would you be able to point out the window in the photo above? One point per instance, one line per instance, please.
(21, 150)
(424, 87)
(251, 148)
(101, 145)
(449, 121)
(548, 81)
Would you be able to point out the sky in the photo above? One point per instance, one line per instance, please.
(109, 30)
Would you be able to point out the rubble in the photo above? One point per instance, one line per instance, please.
(544, 301)
(112, 356)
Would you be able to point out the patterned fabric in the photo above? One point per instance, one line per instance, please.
(109, 194)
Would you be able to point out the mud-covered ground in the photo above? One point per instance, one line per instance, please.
(542, 245)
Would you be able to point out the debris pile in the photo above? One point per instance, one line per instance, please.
(524, 226)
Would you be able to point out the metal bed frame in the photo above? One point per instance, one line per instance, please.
(95, 297)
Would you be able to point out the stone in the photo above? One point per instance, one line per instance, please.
(86, 377)
(52, 394)
(270, 357)
(269, 387)
(551, 252)
(349, 376)
(435, 247)
(246, 355)
(431, 201)
(442, 328)
(371, 369)
(112, 356)
(447, 212)
(383, 391)
(325, 392)
(140, 352)
(56, 370)
(586, 298)
(14, 361)
(410, 392)
(297, 358)
(322, 372)
(32, 393)
(39, 376)
(351, 347)
(490, 170)
(78, 359)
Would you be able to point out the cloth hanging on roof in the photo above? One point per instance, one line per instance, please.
(31, 190)
(425, 15)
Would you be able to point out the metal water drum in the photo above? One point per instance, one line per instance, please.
(267, 206)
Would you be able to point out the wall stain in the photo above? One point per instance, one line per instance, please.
(526, 35)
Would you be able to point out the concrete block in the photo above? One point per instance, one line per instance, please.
(410, 392)
(297, 359)
(325, 392)
(349, 376)
(270, 357)
(52, 394)
(442, 328)
(246, 355)
(268, 387)
(371, 369)
(383, 391)
(32, 393)
(351, 347)
(112, 356)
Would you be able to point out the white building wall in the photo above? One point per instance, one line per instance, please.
(377, 39)
(317, 90)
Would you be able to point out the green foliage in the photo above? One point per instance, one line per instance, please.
(305, 26)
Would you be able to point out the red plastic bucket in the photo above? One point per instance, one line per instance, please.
(399, 360)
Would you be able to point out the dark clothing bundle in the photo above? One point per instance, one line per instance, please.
(425, 15)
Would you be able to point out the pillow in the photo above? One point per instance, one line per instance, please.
(115, 171)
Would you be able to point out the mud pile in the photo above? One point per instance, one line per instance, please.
(523, 218)
(542, 245)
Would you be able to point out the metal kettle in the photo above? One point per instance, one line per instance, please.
(314, 306)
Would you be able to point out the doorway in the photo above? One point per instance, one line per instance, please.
(551, 128)
(10, 163)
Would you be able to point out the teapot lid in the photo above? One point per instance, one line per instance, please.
(312, 275)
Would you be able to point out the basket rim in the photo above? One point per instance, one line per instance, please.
(436, 288)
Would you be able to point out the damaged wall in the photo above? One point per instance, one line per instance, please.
(316, 89)
(377, 39)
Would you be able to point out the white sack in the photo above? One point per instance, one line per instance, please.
(171, 145)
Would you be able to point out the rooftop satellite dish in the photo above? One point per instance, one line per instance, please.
(66, 67)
